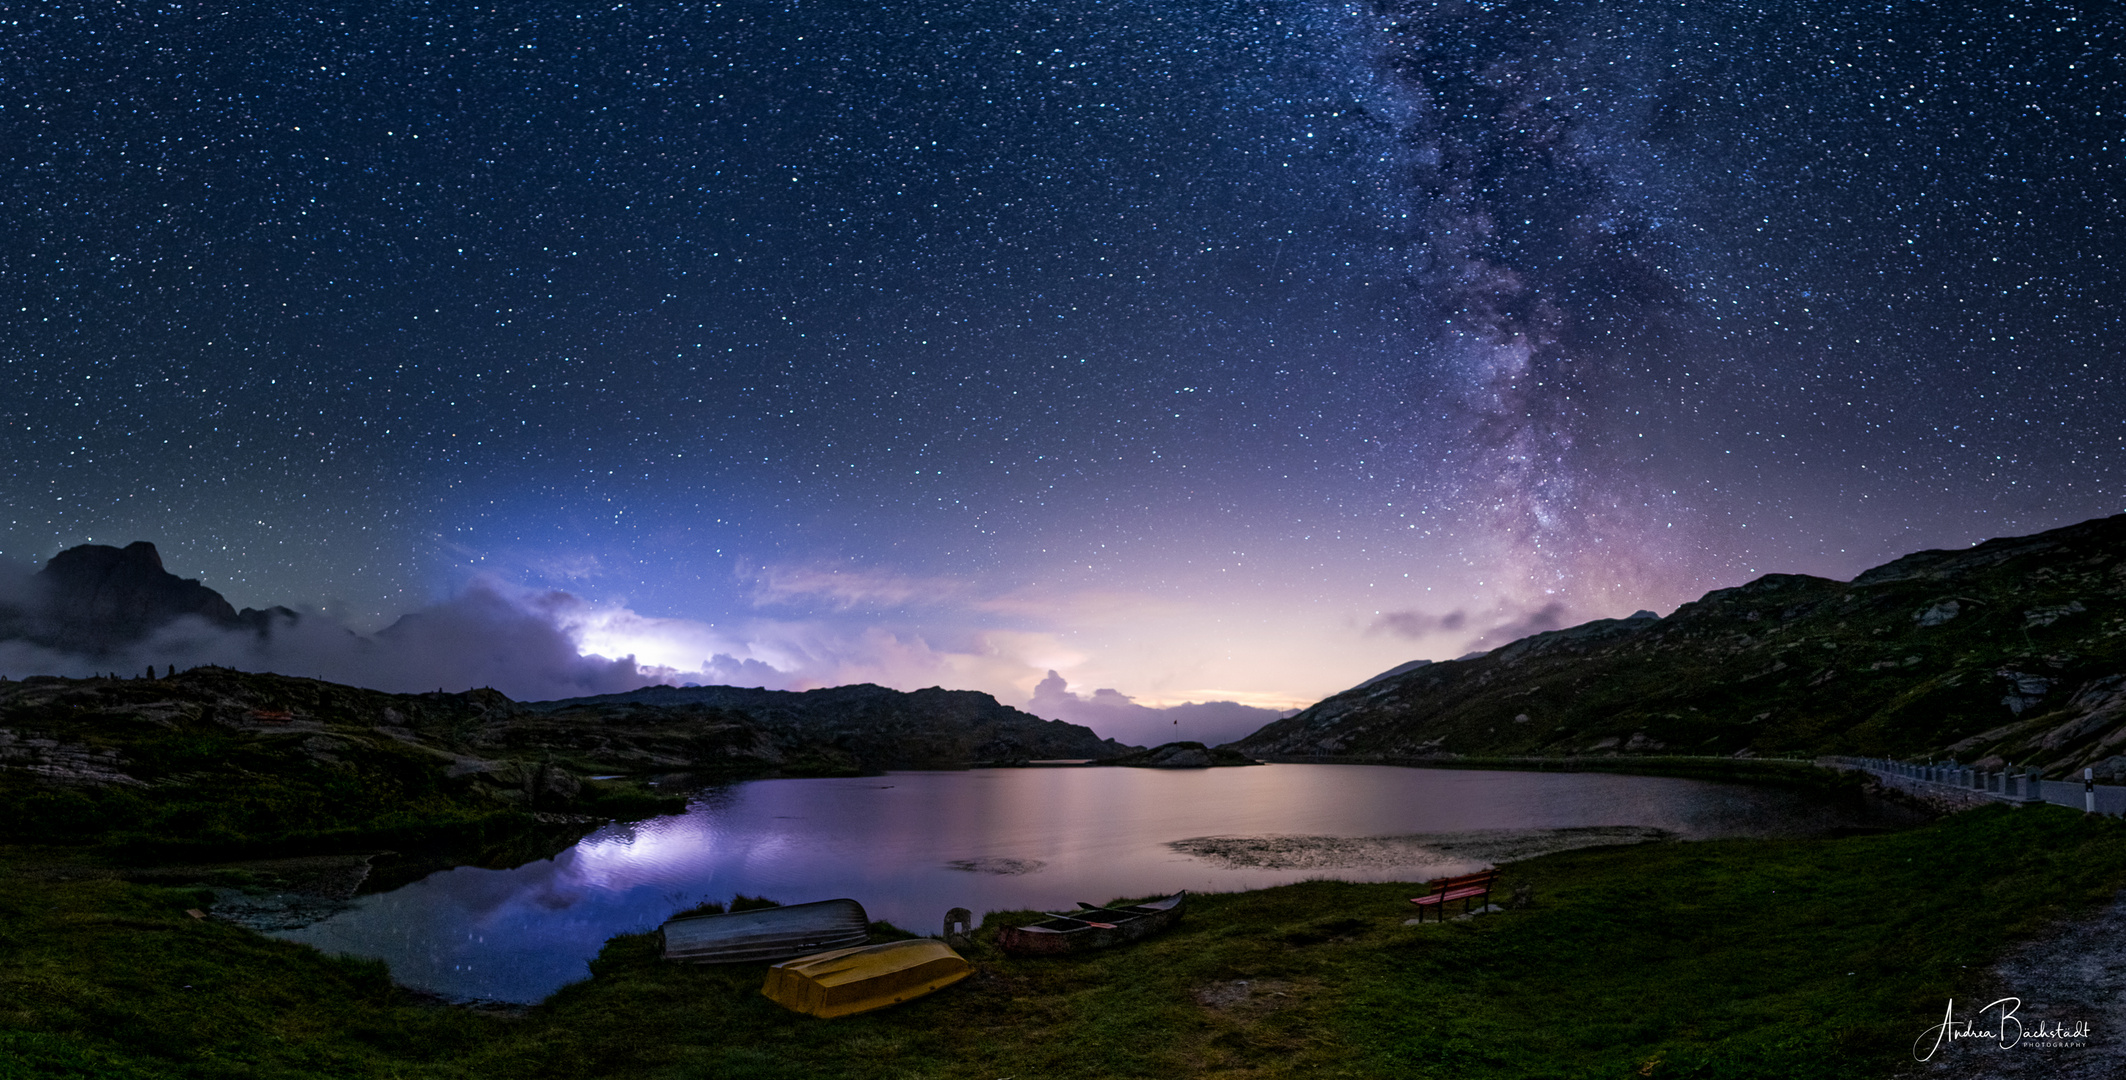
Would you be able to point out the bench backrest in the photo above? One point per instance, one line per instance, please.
(1481, 877)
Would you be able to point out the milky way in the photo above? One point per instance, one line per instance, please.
(1728, 228)
(1243, 348)
(1542, 259)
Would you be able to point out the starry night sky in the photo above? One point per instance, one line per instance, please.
(1234, 350)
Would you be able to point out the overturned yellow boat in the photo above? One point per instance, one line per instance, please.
(867, 977)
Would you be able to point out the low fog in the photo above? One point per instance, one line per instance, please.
(480, 637)
(536, 646)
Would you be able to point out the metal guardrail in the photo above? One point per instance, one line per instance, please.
(2008, 785)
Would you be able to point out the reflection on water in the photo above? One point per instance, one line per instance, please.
(911, 845)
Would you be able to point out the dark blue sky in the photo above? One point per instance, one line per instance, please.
(1189, 348)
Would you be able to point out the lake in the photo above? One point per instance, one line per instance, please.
(911, 845)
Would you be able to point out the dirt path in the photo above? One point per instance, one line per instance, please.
(2073, 976)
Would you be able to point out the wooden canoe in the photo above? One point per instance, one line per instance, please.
(1091, 928)
(766, 934)
(847, 981)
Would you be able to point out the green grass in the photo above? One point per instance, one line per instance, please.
(1726, 959)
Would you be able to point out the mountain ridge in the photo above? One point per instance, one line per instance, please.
(879, 727)
(2012, 650)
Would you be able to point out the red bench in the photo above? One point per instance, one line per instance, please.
(1464, 888)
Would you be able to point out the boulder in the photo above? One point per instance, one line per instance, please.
(550, 785)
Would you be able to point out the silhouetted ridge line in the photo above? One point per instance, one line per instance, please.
(2009, 651)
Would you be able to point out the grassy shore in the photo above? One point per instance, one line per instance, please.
(1723, 959)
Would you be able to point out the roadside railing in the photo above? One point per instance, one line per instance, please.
(2010, 785)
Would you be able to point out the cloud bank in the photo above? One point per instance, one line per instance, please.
(1510, 623)
(545, 644)
(486, 635)
(799, 633)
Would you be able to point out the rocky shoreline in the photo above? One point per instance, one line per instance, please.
(1414, 850)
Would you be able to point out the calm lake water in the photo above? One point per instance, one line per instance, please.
(910, 845)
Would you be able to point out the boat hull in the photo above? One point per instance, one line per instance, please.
(849, 981)
(765, 935)
(1092, 928)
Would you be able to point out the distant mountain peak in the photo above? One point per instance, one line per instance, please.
(95, 598)
(103, 558)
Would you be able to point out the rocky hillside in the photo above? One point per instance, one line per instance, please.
(2010, 651)
(870, 727)
(220, 757)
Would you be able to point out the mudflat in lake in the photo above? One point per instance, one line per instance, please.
(909, 846)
